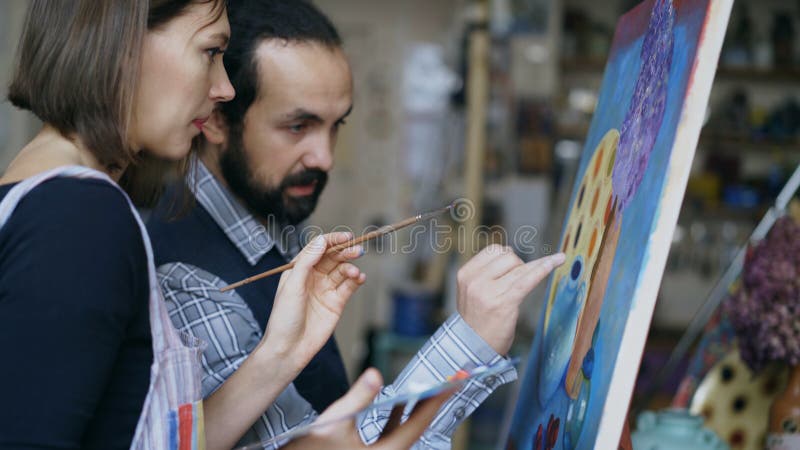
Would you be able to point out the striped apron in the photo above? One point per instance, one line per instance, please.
(172, 416)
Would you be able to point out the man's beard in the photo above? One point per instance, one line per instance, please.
(264, 201)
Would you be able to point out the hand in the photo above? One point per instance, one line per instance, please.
(344, 434)
(308, 304)
(311, 298)
(491, 287)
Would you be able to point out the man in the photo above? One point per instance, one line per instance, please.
(263, 165)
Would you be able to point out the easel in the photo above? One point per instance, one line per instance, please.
(477, 106)
(720, 290)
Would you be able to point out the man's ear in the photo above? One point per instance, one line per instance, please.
(215, 129)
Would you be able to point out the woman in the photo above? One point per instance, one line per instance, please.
(92, 360)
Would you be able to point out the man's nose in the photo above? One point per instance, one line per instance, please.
(320, 156)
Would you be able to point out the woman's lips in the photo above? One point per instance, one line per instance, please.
(199, 123)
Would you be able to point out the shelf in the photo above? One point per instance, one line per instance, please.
(714, 140)
(751, 74)
(722, 212)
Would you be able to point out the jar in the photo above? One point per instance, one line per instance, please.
(674, 429)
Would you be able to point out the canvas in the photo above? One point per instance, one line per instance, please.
(624, 206)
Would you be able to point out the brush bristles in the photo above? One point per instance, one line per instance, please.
(432, 214)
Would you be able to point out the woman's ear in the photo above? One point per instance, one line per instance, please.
(215, 129)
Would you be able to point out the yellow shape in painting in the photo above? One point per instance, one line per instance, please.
(586, 224)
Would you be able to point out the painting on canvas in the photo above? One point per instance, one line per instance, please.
(628, 191)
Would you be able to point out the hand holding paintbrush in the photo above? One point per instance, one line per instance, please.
(382, 231)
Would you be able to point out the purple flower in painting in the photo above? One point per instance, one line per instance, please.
(646, 111)
(765, 311)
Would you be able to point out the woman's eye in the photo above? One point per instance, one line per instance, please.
(212, 52)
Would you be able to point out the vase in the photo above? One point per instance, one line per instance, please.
(784, 416)
(735, 402)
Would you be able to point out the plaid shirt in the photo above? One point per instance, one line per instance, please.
(226, 323)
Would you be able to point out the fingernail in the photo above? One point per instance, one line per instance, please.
(318, 242)
(361, 250)
(558, 258)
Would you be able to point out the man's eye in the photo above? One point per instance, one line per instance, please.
(297, 128)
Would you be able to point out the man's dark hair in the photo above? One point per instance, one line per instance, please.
(254, 21)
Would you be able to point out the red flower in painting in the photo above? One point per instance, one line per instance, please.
(546, 440)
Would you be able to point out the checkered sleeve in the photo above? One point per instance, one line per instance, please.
(225, 323)
(454, 346)
(197, 307)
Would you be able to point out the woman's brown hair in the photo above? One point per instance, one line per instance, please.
(76, 70)
(77, 66)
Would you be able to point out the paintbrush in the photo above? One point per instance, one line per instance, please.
(382, 231)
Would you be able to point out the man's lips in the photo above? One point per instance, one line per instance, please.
(301, 190)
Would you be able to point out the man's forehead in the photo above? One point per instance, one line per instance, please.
(270, 51)
(295, 73)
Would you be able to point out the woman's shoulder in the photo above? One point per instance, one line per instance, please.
(76, 189)
(68, 207)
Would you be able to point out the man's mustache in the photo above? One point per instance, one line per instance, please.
(305, 178)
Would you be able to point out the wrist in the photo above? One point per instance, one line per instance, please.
(493, 332)
(275, 360)
(499, 342)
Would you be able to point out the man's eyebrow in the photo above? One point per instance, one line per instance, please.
(344, 116)
(302, 114)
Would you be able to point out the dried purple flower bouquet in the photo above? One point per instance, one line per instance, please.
(765, 310)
